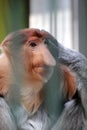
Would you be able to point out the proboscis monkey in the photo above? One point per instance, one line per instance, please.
(31, 66)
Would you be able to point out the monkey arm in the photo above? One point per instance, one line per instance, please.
(54, 97)
(75, 60)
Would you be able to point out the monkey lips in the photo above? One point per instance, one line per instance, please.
(43, 72)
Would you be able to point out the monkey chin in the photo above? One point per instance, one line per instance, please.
(44, 73)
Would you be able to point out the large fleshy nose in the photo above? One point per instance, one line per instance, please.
(47, 56)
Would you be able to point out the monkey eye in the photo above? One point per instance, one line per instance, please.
(32, 44)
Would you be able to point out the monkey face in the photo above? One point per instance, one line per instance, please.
(40, 60)
(33, 51)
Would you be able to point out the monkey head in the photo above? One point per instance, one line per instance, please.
(31, 48)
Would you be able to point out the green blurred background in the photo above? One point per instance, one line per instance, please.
(13, 16)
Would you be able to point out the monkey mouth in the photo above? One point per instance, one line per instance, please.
(40, 70)
(44, 72)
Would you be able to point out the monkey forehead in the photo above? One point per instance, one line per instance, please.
(21, 36)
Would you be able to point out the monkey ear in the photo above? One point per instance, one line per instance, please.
(5, 46)
(6, 43)
(69, 82)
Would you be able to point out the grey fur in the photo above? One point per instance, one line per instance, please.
(7, 121)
